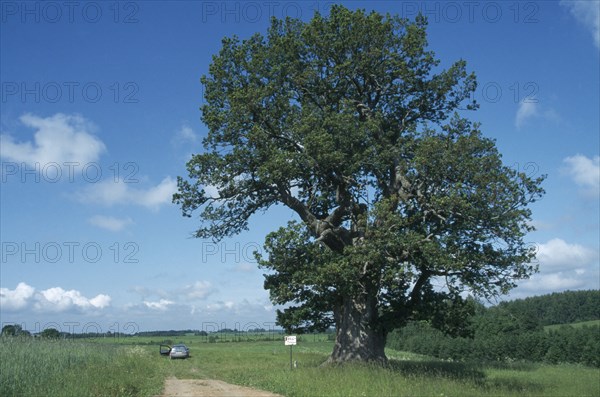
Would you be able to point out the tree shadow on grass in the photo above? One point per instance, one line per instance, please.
(449, 370)
(521, 386)
(468, 372)
(515, 365)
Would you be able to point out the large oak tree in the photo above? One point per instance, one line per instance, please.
(402, 203)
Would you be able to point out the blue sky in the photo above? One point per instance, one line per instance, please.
(99, 113)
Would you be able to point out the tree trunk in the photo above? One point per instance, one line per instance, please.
(358, 338)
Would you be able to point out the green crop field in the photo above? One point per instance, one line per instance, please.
(132, 366)
(37, 367)
(592, 323)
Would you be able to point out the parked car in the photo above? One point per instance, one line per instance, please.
(179, 351)
(165, 350)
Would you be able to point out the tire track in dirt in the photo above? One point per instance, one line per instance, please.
(209, 388)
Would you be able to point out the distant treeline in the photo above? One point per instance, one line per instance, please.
(557, 308)
(196, 332)
(11, 330)
(172, 333)
(515, 331)
(223, 333)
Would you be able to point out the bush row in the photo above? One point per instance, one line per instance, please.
(567, 344)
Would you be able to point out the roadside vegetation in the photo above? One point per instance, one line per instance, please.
(519, 330)
(495, 361)
(34, 367)
(49, 367)
(266, 365)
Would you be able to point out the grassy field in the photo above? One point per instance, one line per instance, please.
(34, 367)
(591, 323)
(132, 367)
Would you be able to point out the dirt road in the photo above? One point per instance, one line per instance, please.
(209, 388)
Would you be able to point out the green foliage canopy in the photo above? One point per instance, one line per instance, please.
(50, 333)
(349, 121)
(513, 331)
(13, 330)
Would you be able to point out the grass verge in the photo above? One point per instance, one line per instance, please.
(33, 367)
(266, 365)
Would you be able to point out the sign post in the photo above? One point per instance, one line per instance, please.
(290, 341)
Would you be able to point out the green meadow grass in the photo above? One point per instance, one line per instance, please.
(591, 323)
(266, 365)
(34, 367)
(133, 367)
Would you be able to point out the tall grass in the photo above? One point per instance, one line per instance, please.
(266, 365)
(33, 367)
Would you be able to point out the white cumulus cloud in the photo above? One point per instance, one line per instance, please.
(16, 299)
(529, 110)
(543, 283)
(198, 290)
(157, 195)
(562, 266)
(110, 192)
(161, 305)
(58, 139)
(587, 13)
(584, 171)
(53, 299)
(526, 111)
(557, 254)
(220, 306)
(58, 300)
(110, 223)
(185, 135)
(243, 308)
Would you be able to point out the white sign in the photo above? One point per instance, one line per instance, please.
(290, 340)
